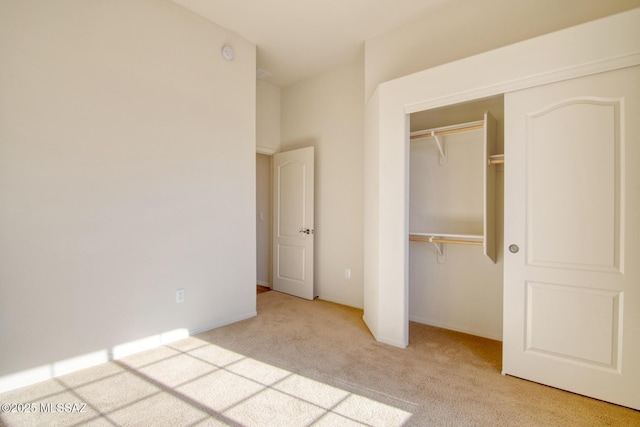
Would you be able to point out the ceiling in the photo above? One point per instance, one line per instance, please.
(297, 39)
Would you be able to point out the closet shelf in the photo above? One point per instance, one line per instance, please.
(457, 239)
(445, 130)
(435, 133)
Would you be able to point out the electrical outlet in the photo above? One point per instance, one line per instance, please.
(347, 273)
(179, 296)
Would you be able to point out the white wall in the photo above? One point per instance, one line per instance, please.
(371, 220)
(327, 112)
(127, 170)
(267, 117)
(462, 28)
(263, 219)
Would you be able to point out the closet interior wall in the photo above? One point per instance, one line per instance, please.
(461, 290)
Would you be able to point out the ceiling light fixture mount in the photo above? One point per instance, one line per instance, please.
(228, 53)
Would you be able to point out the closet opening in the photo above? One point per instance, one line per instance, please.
(456, 205)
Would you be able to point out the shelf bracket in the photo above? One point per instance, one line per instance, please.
(441, 148)
(440, 248)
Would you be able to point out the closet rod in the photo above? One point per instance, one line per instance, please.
(451, 241)
(445, 131)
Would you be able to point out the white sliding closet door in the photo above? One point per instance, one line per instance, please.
(572, 229)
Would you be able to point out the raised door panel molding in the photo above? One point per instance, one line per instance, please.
(574, 214)
(589, 333)
(290, 198)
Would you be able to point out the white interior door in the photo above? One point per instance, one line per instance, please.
(572, 229)
(293, 231)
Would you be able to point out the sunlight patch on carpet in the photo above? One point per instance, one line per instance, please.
(193, 381)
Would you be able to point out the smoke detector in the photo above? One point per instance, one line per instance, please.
(228, 53)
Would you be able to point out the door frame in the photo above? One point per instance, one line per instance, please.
(267, 152)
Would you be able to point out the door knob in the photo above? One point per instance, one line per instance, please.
(306, 231)
(514, 249)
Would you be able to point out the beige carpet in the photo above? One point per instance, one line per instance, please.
(301, 363)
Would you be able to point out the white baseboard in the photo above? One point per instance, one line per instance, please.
(444, 325)
(223, 322)
(76, 363)
(383, 339)
(56, 369)
(263, 283)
